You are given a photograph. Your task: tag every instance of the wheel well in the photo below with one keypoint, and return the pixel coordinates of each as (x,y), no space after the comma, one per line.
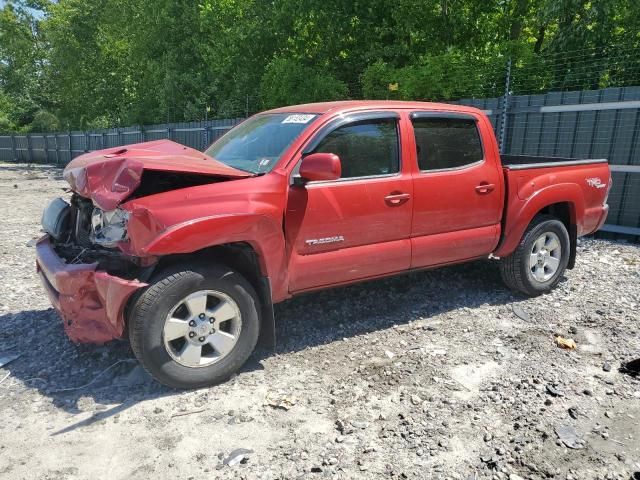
(239,256)
(564,212)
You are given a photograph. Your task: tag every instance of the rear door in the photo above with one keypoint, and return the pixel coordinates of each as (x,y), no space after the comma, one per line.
(457,190)
(358,226)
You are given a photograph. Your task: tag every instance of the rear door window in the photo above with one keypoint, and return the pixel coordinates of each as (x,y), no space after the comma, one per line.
(444,143)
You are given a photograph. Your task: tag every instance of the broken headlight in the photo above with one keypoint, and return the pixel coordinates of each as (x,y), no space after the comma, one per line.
(56,219)
(109,228)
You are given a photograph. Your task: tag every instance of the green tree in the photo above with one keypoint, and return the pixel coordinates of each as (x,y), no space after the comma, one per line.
(287,81)
(44,121)
(21,59)
(106,63)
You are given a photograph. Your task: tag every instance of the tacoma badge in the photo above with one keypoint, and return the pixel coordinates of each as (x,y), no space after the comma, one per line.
(320,241)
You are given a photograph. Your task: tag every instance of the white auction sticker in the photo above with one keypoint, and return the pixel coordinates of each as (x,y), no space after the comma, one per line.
(298,118)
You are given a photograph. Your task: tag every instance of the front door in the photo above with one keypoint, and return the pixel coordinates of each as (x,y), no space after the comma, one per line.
(457,190)
(358,226)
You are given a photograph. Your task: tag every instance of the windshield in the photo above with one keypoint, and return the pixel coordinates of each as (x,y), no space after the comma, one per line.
(256,145)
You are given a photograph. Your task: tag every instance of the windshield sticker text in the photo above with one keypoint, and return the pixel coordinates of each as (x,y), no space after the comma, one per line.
(298,119)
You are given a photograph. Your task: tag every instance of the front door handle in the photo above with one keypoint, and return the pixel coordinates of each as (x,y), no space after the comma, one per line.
(396,198)
(485,188)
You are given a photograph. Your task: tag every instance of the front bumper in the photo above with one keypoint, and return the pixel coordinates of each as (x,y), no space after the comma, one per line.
(91,302)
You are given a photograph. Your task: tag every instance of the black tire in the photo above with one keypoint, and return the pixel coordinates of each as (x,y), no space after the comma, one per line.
(149,311)
(515,269)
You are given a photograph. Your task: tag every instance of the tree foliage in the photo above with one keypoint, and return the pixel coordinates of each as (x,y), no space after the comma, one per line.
(286,81)
(71,64)
(21,66)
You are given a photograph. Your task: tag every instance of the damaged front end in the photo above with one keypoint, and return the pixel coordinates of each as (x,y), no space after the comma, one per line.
(85,259)
(88,282)
(80,232)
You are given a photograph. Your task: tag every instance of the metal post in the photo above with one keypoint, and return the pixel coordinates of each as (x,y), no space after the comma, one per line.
(505,108)
(55,136)
(70,145)
(29,151)
(87,141)
(13,148)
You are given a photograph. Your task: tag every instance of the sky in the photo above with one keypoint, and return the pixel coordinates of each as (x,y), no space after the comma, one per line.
(36,13)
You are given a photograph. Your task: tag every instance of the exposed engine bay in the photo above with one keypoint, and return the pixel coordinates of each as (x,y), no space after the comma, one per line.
(82,233)
(153,182)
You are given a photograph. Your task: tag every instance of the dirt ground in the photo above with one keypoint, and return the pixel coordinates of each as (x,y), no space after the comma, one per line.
(439,374)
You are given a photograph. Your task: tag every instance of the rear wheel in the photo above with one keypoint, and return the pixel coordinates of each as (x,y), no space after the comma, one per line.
(539,261)
(194,326)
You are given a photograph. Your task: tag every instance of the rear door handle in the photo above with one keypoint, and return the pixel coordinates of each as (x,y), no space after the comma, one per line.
(485,188)
(396,198)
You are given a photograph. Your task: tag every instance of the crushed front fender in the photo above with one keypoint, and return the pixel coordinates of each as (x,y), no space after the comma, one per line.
(91,302)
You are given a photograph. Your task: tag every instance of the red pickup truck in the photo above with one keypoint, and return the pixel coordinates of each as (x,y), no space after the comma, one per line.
(186,252)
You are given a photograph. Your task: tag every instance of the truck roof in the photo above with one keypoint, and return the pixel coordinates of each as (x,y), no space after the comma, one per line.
(349,105)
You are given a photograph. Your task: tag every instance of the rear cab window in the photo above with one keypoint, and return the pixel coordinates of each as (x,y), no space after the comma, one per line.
(446,141)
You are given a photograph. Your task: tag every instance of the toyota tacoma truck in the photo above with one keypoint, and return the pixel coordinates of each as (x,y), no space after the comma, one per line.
(185,252)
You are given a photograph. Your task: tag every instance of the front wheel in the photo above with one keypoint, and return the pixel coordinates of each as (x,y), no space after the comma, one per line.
(539,261)
(193,326)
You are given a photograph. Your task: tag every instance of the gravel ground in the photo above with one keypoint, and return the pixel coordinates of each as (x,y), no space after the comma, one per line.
(440,374)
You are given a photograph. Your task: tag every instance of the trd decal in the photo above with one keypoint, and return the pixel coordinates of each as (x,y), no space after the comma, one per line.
(595,182)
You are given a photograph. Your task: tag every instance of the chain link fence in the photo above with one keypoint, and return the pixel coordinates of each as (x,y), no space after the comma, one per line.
(61,148)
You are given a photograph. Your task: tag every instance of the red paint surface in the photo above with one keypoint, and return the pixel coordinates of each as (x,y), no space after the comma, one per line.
(387,225)
(357,211)
(453,219)
(91,303)
(321,166)
(533,189)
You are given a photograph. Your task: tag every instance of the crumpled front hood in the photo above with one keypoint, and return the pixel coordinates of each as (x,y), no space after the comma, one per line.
(110,176)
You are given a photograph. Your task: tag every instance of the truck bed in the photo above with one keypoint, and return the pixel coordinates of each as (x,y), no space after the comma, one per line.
(521,162)
(577,189)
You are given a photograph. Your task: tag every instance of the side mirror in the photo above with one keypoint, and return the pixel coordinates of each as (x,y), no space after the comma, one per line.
(320,166)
